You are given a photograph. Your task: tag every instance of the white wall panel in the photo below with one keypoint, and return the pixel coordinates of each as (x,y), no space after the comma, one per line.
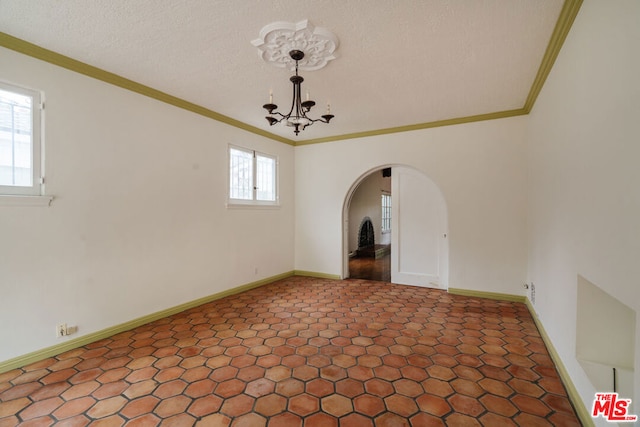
(584,205)
(480,168)
(138,223)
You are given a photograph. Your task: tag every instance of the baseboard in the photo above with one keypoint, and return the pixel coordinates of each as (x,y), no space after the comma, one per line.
(54,350)
(574,396)
(583,413)
(20,361)
(489,295)
(315,274)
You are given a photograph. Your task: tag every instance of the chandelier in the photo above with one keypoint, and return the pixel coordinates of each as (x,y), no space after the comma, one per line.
(297,115)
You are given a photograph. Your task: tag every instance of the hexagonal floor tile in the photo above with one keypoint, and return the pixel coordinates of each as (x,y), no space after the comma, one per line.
(306,352)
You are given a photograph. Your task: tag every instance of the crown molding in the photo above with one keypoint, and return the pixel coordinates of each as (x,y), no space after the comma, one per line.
(419,126)
(46,55)
(566,18)
(563,25)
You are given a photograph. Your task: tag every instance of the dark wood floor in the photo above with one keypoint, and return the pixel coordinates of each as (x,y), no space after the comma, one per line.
(370,268)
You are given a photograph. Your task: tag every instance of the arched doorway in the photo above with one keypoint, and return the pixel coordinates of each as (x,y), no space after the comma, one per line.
(369,241)
(418,240)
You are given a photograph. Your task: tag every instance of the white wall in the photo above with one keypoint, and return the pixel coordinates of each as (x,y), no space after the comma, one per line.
(366,201)
(480,169)
(139,222)
(584,176)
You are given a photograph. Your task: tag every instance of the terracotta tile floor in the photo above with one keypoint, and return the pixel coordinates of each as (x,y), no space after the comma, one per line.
(305,352)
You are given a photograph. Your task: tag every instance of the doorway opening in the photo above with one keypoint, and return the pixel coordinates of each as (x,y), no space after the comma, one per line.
(399,237)
(370,236)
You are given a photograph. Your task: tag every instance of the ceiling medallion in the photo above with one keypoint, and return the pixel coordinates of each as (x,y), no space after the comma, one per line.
(278,39)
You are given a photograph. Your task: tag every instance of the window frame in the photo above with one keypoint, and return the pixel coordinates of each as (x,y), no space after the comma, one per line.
(253,202)
(37,146)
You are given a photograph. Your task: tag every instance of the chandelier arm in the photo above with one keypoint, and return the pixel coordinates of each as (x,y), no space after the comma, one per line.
(297,115)
(324,119)
(282,116)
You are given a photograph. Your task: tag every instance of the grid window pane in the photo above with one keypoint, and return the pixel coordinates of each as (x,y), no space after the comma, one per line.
(386,212)
(240,174)
(252,177)
(265,178)
(16,139)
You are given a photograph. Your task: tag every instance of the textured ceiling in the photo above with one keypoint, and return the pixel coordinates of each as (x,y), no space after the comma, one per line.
(400,63)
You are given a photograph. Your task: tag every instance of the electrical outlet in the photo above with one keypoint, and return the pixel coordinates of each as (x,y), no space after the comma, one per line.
(61,330)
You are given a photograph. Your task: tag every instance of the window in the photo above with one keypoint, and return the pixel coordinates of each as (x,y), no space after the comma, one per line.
(386,213)
(20,142)
(252,177)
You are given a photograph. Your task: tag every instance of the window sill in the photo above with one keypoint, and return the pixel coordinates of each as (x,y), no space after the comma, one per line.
(11,200)
(231,205)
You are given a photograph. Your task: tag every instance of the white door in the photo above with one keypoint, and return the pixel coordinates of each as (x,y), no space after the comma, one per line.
(418,230)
